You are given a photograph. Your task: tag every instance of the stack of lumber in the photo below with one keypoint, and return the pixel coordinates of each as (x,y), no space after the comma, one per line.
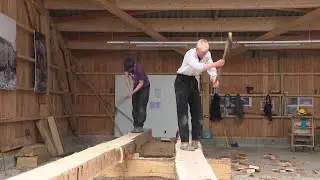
(32,156)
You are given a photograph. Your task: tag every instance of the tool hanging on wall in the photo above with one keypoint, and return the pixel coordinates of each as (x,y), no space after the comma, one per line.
(215,111)
(268,108)
(239,107)
(227,105)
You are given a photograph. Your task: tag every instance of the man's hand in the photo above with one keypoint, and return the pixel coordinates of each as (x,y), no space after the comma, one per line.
(220,63)
(215,84)
(129,95)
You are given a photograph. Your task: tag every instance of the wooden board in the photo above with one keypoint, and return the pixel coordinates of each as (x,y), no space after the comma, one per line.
(46,136)
(192,165)
(158,149)
(89,163)
(31,162)
(142,167)
(55,135)
(32,150)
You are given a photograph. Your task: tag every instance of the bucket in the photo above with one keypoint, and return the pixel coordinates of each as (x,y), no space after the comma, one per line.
(207,135)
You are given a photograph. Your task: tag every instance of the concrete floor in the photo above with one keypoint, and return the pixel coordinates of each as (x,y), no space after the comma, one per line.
(306,165)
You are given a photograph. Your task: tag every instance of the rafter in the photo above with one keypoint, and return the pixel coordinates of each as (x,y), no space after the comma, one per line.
(249,24)
(184,5)
(95,14)
(133,22)
(305,21)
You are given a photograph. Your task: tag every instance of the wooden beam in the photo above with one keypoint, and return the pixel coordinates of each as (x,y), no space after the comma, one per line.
(192,165)
(296,10)
(90,37)
(134,22)
(59,44)
(206,86)
(142,167)
(95,14)
(286,27)
(242,24)
(184,5)
(98,45)
(305,21)
(31,15)
(89,163)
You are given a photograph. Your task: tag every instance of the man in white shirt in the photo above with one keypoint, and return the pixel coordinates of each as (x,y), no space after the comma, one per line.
(196,60)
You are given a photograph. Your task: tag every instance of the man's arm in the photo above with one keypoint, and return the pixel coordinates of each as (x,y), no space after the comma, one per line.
(139,86)
(128,82)
(139,75)
(212,71)
(194,62)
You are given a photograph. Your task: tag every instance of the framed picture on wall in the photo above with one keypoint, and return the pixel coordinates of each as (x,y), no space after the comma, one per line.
(8,62)
(41,65)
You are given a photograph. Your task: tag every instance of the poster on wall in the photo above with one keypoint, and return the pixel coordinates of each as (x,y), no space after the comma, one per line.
(41,65)
(8,62)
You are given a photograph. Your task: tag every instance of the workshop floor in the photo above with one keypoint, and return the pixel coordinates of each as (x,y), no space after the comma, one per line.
(305,165)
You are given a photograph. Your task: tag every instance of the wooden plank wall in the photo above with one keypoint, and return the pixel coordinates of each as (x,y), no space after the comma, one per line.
(100,67)
(21,108)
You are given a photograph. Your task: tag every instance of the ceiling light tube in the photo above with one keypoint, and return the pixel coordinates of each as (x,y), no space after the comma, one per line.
(212,42)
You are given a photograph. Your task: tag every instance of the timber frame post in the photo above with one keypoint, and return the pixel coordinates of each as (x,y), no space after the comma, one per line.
(65,79)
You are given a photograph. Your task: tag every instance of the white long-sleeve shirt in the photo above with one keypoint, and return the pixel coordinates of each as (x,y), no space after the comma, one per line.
(191,66)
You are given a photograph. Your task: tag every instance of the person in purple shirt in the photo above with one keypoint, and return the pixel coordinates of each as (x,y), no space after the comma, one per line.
(139,92)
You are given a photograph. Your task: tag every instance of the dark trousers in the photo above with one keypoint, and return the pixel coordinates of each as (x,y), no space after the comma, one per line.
(187,92)
(139,106)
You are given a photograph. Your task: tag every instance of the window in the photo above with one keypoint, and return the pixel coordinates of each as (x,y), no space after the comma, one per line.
(294,103)
(262,104)
(230,105)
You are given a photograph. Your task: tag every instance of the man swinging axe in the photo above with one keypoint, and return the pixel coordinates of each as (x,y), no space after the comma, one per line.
(196,60)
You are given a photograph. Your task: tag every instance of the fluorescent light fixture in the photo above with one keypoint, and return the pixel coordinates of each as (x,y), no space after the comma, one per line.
(161,45)
(274,44)
(186,43)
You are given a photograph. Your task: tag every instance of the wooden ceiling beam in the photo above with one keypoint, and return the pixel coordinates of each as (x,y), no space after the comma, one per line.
(95,14)
(125,17)
(131,37)
(103,45)
(183,4)
(303,21)
(248,24)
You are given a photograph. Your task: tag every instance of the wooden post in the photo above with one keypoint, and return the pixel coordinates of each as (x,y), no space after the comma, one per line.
(206,100)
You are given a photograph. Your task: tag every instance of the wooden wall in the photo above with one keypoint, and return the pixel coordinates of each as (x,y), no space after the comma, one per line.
(100,67)
(21,108)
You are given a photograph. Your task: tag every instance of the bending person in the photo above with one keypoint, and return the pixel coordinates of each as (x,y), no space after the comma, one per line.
(139,92)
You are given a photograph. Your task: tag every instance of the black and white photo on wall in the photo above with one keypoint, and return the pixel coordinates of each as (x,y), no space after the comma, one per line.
(8,62)
(41,64)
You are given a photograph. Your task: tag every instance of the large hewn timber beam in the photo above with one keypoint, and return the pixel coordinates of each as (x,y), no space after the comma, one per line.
(103,45)
(192,165)
(253,24)
(88,163)
(134,22)
(183,4)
